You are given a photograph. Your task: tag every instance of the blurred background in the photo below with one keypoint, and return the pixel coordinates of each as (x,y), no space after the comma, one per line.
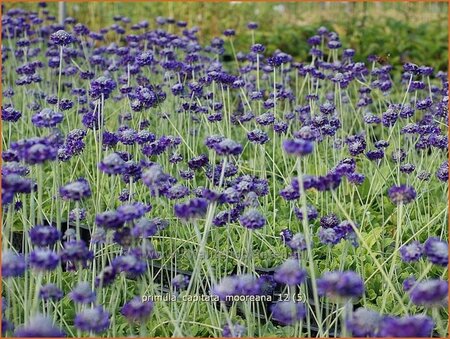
(404,31)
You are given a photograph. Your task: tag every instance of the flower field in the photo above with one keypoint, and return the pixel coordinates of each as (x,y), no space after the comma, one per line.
(152,186)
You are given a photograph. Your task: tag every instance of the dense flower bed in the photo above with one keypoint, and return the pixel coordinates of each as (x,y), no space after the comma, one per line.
(151,189)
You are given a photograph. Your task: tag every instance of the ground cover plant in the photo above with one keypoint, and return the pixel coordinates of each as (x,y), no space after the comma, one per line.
(151,188)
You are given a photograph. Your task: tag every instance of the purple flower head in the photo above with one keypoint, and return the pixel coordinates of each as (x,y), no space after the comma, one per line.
(127,136)
(370,118)
(145,58)
(408,283)
(43,235)
(50,292)
(406,112)
(76,190)
(248,285)
(229,32)
(123,237)
(43,259)
(102,86)
(105,277)
(215,173)
(227,287)
(98,236)
(410,67)
(356,178)
(96,320)
(347,284)
(155,179)
(429,293)
(436,251)
(180,281)
(364,323)
(112,164)
(327,108)
(10,155)
(157,147)
(280,127)
(311,212)
(109,219)
(260,187)
(177,89)
(329,236)
(407,168)
(298,147)
(424,104)
(406,327)
(425,70)
(65,104)
(252,219)
(39,326)
(329,221)
(398,155)
(135,210)
(10,114)
(290,273)
(401,194)
(258,48)
(39,153)
(286,235)
(193,208)
(91,120)
(131,264)
(146,227)
(309,133)
(198,162)
(234,331)
(137,310)
(257,136)
(61,38)
(13,265)
(252,25)
(15,183)
(356,144)
(175,158)
(76,135)
(442,172)
(231,196)
(70,234)
(288,312)
(345,229)
(228,147)
(314,40)
(145,137)
(334,44)
(389,118)
(76,252)
(348,53)
(77,214)
(297,242)
(146,97)
(267,284)
(328,182)
(222,218)
(212,140)
(411,252)
(82,293)
(375,154)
